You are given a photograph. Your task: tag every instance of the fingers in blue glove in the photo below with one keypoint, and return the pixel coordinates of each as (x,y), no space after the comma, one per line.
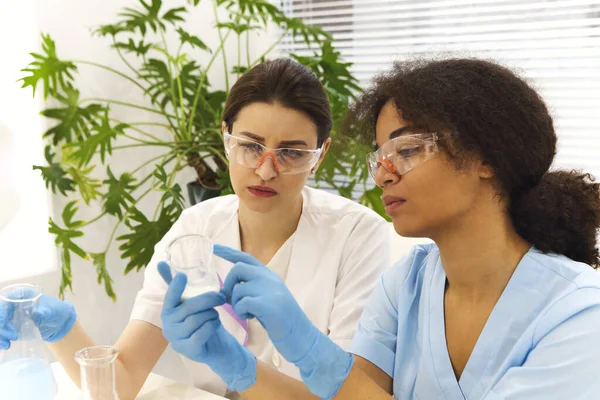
(6,313)
(165,272)
(192,323)
(175,291)
(8,333)
(205,332)
(240,272)
(203,302)
(235,256)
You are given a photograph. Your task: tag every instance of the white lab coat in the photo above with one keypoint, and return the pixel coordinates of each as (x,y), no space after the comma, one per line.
(340,249)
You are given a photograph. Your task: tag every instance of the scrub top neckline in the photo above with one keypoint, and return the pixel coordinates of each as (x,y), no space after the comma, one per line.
(474,373)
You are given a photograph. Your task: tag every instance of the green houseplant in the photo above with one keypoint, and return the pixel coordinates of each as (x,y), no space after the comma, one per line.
(177,90)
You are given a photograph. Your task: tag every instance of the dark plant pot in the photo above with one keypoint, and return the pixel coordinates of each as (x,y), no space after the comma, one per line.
(199,193)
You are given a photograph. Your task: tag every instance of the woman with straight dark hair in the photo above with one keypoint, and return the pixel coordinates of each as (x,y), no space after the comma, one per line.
(328,250)
(505,304)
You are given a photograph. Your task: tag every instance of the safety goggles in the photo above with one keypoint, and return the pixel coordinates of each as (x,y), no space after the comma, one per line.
(403,153)
(251,154)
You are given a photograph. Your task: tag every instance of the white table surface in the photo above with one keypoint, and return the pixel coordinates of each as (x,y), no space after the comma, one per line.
(156,387)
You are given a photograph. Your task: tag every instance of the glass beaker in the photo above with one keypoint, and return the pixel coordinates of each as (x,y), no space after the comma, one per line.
(192,256)
(25,372)
(97,367)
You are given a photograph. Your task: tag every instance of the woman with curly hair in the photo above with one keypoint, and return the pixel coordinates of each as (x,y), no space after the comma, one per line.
(505,304)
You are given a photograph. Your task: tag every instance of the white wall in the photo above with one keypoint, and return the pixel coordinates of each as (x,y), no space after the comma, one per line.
(69,23)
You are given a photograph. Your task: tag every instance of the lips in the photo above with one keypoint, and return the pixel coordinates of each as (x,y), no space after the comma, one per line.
(388,200)
(262,191)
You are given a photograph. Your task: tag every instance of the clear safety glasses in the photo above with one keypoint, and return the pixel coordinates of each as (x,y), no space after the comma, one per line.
(251,154)
(403,153)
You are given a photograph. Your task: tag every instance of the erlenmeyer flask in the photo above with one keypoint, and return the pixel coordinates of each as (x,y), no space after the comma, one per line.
(192,256)
(97,366)
(25,372)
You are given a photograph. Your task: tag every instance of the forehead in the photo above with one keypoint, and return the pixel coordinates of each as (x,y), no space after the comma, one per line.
(388,121)
(273,121)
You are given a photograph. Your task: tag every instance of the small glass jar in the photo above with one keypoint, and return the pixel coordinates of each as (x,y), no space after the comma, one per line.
(25,371)
(97,367)
(192,255)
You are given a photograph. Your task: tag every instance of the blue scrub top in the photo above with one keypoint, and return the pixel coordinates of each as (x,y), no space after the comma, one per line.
(541,341)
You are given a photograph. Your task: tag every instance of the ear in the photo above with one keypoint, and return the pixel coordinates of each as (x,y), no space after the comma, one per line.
(326,146)
(223,127)
(486,171)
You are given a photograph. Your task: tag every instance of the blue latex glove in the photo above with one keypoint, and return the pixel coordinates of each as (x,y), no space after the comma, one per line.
(53,317)
(254,291)
(193,328)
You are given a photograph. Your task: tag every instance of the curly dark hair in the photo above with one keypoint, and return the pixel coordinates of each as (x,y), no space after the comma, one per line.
(497,116)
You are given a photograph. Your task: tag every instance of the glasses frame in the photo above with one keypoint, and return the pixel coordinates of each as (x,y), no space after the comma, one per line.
(271,153)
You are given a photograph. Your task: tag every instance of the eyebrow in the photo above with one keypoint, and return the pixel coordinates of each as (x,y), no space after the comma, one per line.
(261,139)
(395,134)
(399,132)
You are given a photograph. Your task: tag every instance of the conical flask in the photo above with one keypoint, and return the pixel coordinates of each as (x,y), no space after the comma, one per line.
(25,372)
(97,366)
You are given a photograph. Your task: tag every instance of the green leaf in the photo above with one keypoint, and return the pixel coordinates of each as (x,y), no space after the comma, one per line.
(192,40)
(54,175)
(64,241)
(100,141)
(148,17)
(310,33)
(240,69)
(88,187)
(141,48)
(99,260)
(238,28)
(74,121)
(157,72)
(262,9)
(194,2)
(174,14)
(138,245)
(53,72)
(172,199)
(112,29)
(118,197)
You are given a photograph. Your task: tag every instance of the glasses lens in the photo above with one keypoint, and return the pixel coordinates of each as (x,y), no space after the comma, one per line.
(402,154)
(250,155)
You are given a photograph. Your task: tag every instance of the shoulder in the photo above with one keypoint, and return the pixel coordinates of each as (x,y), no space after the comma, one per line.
(319,205)
(572,288)
(408,273)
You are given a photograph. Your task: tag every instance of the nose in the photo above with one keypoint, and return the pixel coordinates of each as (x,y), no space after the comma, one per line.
(267,170)
(383,177)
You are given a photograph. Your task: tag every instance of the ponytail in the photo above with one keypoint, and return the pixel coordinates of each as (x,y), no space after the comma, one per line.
(561,215)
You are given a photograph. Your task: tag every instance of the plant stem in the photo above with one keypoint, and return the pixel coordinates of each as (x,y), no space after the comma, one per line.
(248,48)
(177,109)
(122,57)
(130,126)
(148,162)
(169,183)
(204,74)
(226,70)
(122,103)
(91,221)
(128,146)
(270,49)
(136,83)
(239,56)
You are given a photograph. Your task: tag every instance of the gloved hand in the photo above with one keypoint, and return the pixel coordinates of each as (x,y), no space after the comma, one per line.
(193,328)
(256,292)
(53,317)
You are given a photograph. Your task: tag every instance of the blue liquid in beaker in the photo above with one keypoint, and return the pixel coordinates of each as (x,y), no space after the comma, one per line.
(27,379)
